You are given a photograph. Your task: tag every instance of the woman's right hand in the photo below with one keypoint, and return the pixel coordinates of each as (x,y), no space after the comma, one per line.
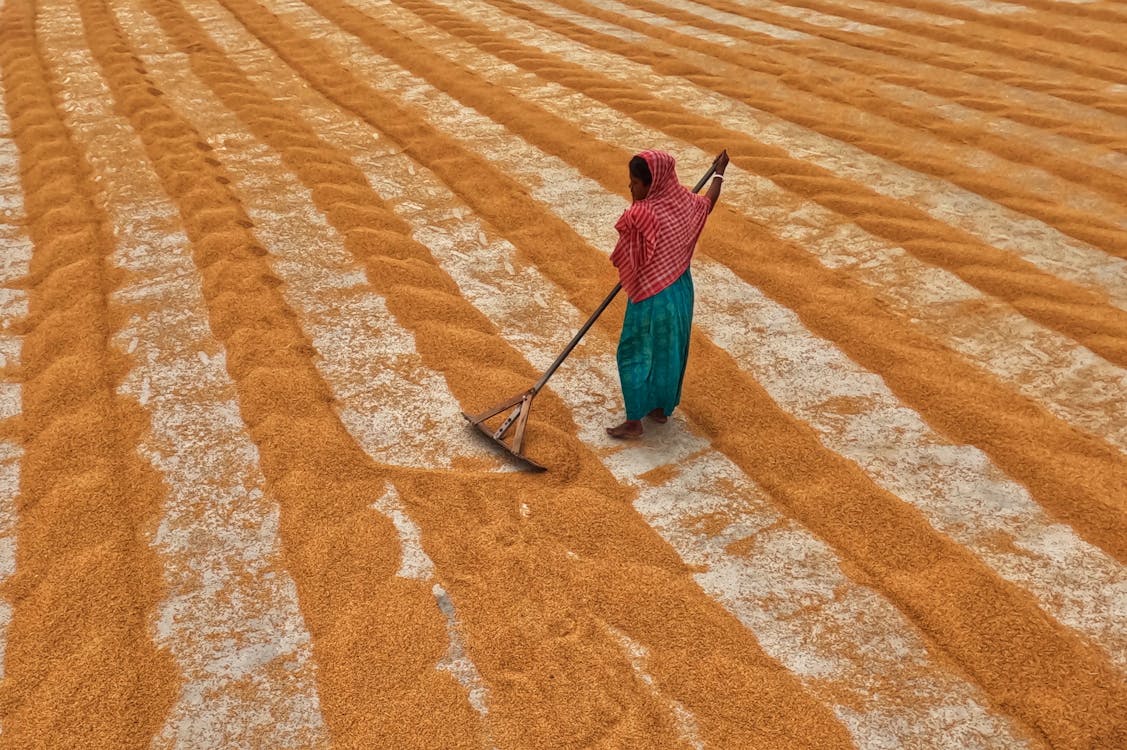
(721,162)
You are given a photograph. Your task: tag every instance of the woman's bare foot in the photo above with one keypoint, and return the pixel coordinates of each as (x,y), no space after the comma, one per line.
(631,429)
(658,415)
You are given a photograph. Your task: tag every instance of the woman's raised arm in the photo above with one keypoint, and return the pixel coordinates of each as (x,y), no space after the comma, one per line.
(713,193)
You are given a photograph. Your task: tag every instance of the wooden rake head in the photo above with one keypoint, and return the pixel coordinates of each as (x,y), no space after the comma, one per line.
(518,418)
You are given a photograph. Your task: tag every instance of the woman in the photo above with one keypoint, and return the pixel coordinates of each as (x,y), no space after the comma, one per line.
(656,238)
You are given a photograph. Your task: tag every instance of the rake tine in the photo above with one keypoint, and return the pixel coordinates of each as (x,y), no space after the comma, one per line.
(522,420)
(500,433)
(495,409)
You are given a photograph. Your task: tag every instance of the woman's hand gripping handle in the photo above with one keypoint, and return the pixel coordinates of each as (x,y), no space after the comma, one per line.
(718,167)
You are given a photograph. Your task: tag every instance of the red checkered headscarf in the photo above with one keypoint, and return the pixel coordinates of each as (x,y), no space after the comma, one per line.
(657,235)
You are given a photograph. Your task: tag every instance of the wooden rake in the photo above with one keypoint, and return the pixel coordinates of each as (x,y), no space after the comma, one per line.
(521,404)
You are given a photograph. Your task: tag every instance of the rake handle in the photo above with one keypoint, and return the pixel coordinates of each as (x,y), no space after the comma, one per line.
(595,315)
(575,340)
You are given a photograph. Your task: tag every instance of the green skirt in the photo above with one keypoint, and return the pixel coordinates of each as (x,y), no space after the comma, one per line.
(654,349)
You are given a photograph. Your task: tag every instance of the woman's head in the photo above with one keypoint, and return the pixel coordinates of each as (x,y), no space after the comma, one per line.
(640,178)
